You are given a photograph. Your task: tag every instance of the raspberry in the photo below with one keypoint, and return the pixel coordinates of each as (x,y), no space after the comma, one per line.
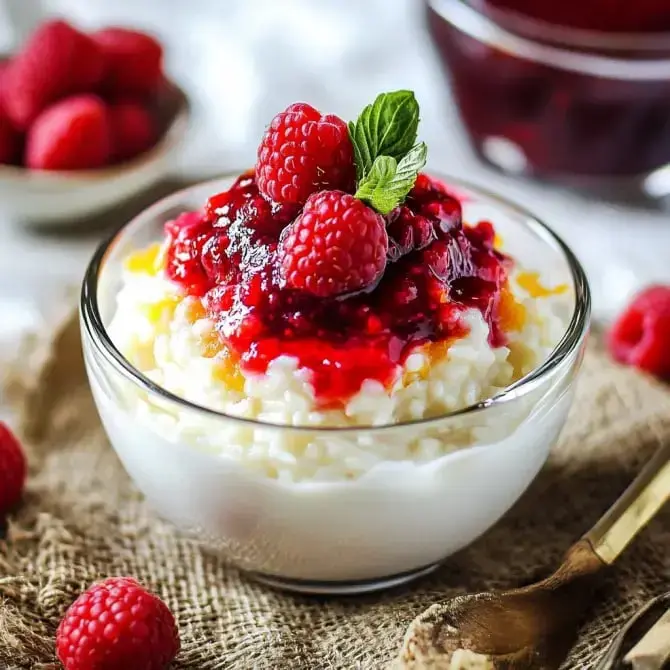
(12,469)
(641,335)
(337,245)
(73,134)
(117,624)
(10,140)
(303,152)
(134,61)
(56,61)
(133,130)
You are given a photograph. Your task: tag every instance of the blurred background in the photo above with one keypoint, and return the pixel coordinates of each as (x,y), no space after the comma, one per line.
(241,61)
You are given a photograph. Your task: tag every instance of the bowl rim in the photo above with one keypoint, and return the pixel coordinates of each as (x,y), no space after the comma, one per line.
(571,340)
(561,47)
(175,129)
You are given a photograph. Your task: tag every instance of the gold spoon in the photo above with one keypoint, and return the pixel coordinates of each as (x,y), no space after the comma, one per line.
(533,628)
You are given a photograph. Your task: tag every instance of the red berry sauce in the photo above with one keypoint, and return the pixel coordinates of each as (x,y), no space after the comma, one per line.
(437,268)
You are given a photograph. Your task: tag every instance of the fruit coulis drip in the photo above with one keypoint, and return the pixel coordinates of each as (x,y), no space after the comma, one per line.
(346,266)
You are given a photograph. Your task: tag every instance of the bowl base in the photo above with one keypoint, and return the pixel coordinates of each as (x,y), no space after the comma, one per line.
(343,588)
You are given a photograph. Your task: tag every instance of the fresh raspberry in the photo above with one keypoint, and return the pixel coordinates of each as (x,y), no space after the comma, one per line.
(56,61)
(73,134)
(10,140)
(337,245)
(133,130)
(641,335)
(12,469)
(303,152)
(133,60)
(117,624)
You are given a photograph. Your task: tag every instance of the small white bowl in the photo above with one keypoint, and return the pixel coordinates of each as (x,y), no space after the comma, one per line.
(53,198)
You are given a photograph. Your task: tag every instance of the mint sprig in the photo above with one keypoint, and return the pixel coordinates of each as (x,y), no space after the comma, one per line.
(387,127)
(389,181)
(388,159)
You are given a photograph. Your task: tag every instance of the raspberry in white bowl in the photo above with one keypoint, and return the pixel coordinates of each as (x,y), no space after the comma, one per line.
(335,368)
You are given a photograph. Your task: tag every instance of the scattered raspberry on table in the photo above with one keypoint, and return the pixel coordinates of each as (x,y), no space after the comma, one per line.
(641,335)
(12,469)
(117,625)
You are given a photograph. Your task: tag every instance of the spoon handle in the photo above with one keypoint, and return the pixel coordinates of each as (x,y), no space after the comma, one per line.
(630,513)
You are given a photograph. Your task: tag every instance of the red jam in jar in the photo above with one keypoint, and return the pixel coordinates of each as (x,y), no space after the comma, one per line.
(553,101)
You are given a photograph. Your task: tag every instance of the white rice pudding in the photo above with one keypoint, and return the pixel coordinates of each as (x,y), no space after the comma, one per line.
(155,329)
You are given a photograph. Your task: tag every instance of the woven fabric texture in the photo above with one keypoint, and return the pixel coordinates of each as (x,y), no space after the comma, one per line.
(82,519)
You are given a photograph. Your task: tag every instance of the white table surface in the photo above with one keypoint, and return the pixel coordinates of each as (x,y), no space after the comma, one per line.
(242,61)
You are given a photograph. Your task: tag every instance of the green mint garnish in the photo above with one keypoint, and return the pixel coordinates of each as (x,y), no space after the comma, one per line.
(387,127)
(389,181)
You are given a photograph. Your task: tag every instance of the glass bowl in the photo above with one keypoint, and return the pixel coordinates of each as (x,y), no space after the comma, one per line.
(397,521)
(581,108)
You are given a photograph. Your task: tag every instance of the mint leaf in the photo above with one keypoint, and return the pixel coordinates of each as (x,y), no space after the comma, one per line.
(387,127)
(389,181)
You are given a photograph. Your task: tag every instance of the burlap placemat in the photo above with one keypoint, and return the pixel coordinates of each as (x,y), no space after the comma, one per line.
(82,519)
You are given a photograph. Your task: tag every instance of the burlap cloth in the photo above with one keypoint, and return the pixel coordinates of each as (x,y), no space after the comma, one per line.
(82,519)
